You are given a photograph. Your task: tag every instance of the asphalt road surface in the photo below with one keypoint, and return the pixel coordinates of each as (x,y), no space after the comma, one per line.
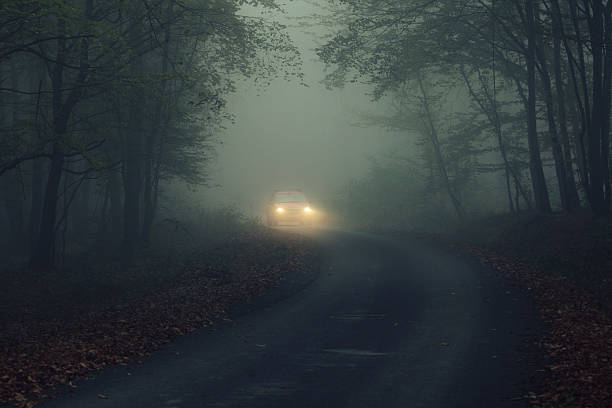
(388,323)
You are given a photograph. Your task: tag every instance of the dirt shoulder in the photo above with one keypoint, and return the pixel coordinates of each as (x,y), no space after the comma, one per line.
(40,354)
(566,264)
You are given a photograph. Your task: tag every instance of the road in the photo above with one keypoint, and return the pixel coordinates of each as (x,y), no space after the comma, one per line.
(388,323)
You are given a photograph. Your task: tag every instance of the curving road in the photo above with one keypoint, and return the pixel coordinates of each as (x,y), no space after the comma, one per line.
(387,324)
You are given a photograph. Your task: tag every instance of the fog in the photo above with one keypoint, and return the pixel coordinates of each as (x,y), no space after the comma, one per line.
(413,115)
(386,181)
(290,135)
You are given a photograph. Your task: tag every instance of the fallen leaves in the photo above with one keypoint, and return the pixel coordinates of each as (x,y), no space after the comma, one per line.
(36,357)
(579,340)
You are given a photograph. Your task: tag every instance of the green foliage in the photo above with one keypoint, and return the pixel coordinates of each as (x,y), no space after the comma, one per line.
(422,51)
(122,92)
(206,45)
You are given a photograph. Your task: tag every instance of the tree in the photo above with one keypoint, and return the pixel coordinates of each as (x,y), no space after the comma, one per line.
(510,42)
(63,106)
(121,95)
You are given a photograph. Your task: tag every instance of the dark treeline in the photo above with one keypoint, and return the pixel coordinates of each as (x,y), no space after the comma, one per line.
(104,100)
(535,76)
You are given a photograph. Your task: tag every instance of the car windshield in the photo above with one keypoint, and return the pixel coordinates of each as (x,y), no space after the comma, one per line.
(289,198)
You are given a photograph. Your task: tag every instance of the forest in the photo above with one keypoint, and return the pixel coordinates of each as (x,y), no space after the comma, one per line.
(533,83)
(103,101)
(466,212)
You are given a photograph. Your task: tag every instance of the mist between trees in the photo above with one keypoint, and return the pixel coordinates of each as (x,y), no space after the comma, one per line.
(506,97)
(104,102)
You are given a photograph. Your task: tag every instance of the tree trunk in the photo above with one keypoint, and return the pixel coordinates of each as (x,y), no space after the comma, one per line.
(607,102)
(36,187)
(433,136)
(133,160)
(572,191)
(115,204)
(82,215)
(44,255)
(599,126)
(583,98)
(36,207)
(538,180)
(557,151)
(578,129)
(578,109)
(155,138)
(13,200)
(102,227)
(62,109)
(133,184)
(11,184)
(147,221)
(493,117)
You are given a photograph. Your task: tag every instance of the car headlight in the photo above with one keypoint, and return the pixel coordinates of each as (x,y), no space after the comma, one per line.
(308,209)
(280,210)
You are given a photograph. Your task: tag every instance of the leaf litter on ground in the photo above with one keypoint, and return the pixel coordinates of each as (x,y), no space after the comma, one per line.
(564,262)
(578,343)
(40,358)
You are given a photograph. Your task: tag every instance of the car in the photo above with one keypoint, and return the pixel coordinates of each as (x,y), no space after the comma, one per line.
(289,206)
